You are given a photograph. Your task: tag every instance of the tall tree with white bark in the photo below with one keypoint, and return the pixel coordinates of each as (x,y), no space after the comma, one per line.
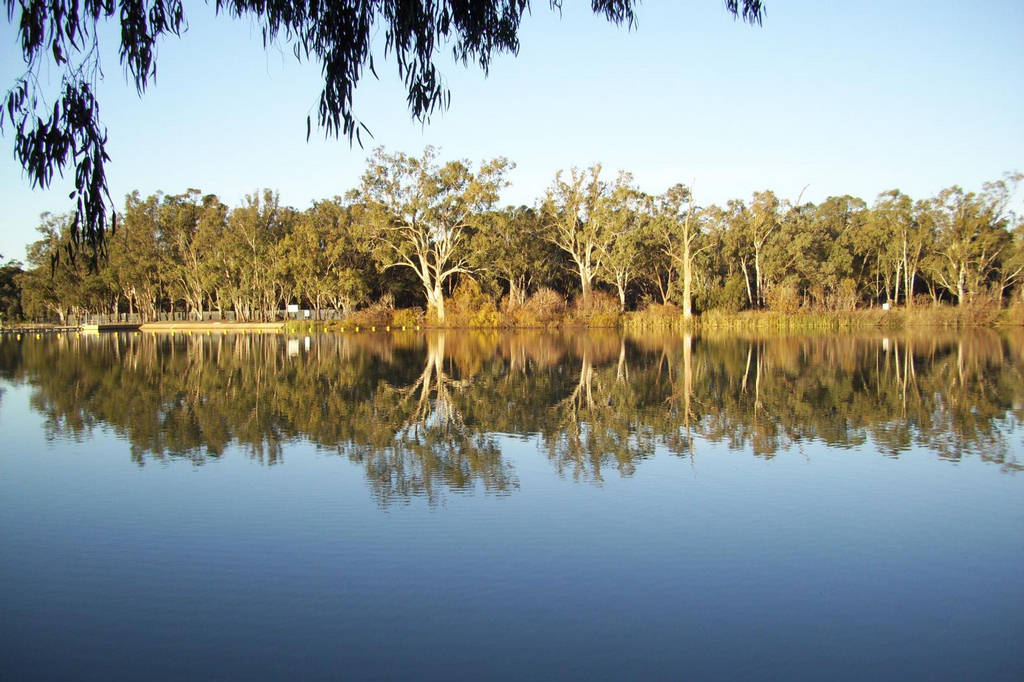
(420,214)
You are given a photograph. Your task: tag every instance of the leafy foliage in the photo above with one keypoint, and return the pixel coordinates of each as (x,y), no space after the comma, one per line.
(418,229)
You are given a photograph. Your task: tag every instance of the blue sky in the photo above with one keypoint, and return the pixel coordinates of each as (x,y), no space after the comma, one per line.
(851,97)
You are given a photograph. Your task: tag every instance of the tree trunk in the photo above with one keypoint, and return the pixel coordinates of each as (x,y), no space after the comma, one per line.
(910,274)
(585,287)
(896,295)
(620,285)
(516,291)
(663,288)
(435,303)
(746,281)
(687,285)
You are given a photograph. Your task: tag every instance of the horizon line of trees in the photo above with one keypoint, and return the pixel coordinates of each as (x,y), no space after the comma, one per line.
(416,228)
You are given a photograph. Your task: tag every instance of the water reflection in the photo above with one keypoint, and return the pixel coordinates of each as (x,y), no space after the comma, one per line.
(422,413)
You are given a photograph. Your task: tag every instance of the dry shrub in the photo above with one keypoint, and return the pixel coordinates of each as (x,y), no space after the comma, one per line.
(981,310)
(469,306)
(542,309)
(406,317)
(846,295)
(1014,313)
(600,310)
(377,314)
(783,298)
(656,316)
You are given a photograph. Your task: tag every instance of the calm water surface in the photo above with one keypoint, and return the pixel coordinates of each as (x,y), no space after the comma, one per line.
(530,506)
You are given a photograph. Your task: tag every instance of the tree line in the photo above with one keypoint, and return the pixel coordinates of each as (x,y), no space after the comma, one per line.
(417,229)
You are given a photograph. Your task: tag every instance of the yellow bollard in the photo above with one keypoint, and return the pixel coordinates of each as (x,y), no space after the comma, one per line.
(357,327)
(373,329)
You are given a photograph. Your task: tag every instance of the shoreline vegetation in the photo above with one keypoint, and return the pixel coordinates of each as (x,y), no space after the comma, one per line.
(668,318)
(423,243)
(664,320)
(654,318)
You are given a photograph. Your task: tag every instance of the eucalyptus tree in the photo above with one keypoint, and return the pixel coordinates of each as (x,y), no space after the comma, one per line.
(11,274)
(729,257)
(45,292)
(1012,271)
(657,272)
(325,256)
(185,221)
(59,285)
(569,210)
(902,233)
(840,220)
(623,214)
(761,224)
(732,225)
(792,259)
(252,255)
(972,236)
(136,259)
(217,269)
(509,245)
(679,231)
(420,214)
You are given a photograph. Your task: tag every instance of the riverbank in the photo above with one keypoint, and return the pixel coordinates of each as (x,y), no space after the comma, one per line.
(947,317)
(654,318)
(670,318)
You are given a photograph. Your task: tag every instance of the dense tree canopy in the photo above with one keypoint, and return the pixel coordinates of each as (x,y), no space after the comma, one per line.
(54,129)
(418,232)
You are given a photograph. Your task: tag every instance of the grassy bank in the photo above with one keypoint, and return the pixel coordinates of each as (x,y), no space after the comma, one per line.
(550,312)
(984,314)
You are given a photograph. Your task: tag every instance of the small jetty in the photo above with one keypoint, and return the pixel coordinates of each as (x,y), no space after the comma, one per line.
(40,329)
(181,326)
(110,327)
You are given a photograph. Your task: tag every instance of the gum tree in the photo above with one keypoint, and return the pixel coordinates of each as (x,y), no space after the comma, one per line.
(420,213)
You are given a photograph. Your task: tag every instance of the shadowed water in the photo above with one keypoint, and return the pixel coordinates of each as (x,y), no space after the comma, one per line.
(512,506)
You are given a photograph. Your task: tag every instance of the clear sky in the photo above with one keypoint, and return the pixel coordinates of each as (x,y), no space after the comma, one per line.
(845,98)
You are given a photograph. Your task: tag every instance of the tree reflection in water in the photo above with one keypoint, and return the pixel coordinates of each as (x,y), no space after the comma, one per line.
(422,413)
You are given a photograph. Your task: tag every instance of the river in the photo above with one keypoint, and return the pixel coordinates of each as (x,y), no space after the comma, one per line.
(510,506)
